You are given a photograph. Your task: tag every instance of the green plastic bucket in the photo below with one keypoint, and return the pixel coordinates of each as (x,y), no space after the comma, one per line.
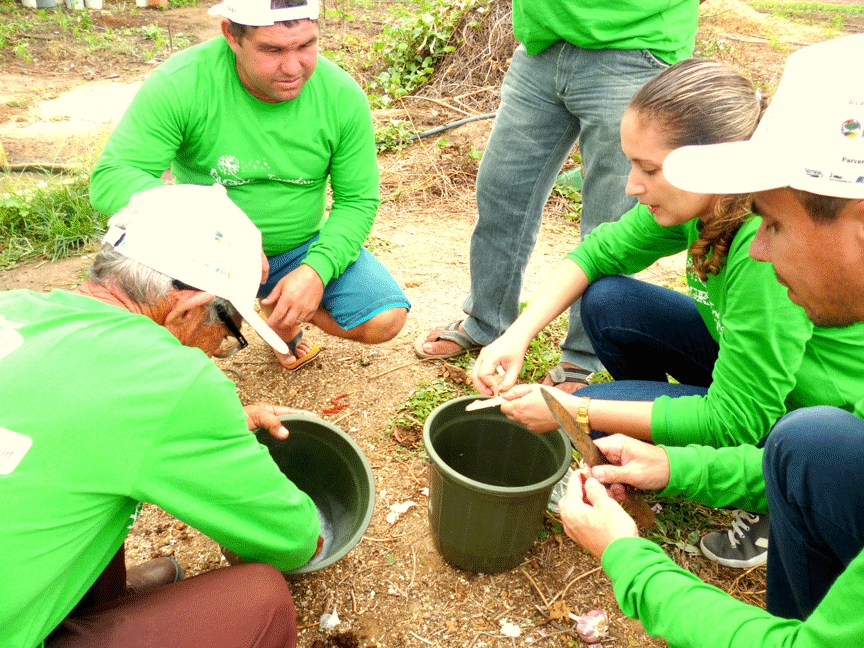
(489,483)
(329,466)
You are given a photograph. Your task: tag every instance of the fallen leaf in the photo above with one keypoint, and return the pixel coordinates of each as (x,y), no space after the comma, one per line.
(559,611)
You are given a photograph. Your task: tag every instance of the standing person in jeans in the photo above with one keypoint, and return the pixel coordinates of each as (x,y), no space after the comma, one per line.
(569,80)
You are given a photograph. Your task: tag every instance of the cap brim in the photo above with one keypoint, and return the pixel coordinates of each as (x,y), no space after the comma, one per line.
(729,168)
(261,328)
(217,10)
(243,15)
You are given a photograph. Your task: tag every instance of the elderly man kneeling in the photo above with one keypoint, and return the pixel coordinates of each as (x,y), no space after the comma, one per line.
(108,402)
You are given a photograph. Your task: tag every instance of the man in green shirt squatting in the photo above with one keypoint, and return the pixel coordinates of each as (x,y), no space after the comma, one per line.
(110,399)
(260,113)
(805,168)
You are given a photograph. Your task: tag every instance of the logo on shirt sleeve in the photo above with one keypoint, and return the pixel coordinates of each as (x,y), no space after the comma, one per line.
(13,447)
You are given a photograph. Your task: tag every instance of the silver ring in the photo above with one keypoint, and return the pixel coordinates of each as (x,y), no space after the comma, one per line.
(301,320)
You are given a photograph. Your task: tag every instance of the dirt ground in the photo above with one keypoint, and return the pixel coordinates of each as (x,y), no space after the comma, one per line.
(394,589)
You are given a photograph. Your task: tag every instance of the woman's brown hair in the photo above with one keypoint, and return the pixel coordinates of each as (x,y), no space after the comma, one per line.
(703,101)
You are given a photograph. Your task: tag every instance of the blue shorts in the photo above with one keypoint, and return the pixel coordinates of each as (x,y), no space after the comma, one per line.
(365,289)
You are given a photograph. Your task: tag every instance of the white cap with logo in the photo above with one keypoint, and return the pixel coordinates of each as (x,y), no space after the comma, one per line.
(258,13)
(197,235)
(811,136)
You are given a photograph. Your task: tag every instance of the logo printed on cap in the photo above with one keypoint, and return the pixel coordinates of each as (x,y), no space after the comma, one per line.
(851,128)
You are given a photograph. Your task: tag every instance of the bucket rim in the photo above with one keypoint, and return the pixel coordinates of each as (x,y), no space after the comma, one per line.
(491,489)
(370,480)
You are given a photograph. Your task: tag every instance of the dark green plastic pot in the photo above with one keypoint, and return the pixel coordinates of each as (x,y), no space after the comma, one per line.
(326,464)
(490,481)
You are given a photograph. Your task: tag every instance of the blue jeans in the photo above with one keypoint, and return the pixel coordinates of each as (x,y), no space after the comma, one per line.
(644,332)
(815,487)
(548,102)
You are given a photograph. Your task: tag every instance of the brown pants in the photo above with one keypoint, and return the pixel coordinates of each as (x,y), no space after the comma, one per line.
(246,606)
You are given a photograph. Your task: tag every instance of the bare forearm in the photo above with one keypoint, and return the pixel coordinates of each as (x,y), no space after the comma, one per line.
(631,418)
(563,287)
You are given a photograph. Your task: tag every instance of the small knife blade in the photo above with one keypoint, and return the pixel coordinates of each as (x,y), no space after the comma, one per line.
(592,456)
(589,452)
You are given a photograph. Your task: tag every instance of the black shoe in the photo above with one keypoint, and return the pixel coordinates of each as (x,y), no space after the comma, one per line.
(152,574)
(744,545)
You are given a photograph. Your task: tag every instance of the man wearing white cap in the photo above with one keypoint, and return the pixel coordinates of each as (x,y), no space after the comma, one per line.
(805,168)
(137,413)
(259,112)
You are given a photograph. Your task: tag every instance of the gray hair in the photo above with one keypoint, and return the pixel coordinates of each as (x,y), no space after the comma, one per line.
(141,283)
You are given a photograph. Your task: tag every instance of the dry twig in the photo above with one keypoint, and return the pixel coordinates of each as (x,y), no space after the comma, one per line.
(578,578)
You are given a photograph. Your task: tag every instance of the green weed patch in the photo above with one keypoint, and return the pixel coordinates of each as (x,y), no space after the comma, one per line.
(412,41)
(47,220)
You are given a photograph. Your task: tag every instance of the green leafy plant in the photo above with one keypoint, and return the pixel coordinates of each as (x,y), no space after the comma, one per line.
(392,135)
(22,51)
(373,243)
(543,351)
(152,32)
(680,523)
(568,185)
(428,395)
(23,30)
(412,42)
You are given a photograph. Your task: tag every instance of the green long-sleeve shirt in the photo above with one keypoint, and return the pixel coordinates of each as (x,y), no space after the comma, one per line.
(674,604)
(118,412)
(194,114)
(771,360)
(666,28)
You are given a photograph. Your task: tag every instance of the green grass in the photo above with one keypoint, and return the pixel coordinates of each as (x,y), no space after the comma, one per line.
(51,219)
(808,12)
(681,523)
(78,30)
(543,351)
(428,395)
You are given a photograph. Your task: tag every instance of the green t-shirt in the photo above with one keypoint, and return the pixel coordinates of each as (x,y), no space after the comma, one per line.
(674,604)
(666,28)
(771,360)
(194,114)
(118,412)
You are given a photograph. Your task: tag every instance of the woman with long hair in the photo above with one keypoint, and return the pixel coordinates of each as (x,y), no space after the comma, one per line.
(741,353)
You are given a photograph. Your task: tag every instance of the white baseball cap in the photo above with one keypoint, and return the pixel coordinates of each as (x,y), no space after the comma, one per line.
(197,235)
(257,13)
(811,136)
